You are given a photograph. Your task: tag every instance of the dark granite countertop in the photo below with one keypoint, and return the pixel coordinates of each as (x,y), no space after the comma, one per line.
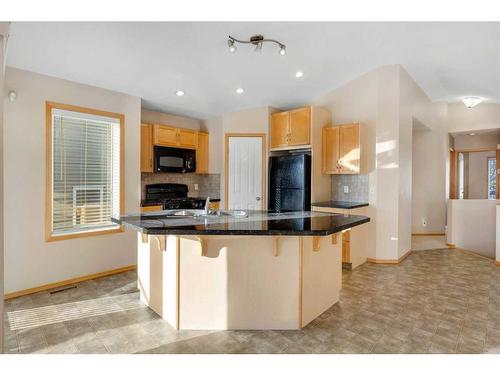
(261,223)
(153,202)
(340,204)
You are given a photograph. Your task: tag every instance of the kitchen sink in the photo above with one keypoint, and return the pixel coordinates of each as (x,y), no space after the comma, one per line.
(202,213)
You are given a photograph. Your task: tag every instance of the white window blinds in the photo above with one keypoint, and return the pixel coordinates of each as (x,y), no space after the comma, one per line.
(85,172)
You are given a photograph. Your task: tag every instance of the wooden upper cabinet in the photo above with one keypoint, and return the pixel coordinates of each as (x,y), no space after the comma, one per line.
(187,138)
(300,127)
(292,128)
(202,153)
(341,149)
(146,148)
(349,147)
(330,147)
(164,135)
(280,125)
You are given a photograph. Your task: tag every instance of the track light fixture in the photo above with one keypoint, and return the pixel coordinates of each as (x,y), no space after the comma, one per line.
(257,41)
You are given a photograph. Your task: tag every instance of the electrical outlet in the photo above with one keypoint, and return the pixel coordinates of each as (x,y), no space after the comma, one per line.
(424,222)
(346,189)
(196,187)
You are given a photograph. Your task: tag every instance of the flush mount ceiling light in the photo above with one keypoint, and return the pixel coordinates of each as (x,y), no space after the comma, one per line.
(299,74)
(472,101)
(257,40)
(179,93)
(239,90)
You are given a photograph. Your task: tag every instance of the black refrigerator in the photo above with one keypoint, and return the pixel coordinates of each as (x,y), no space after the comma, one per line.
(290,183)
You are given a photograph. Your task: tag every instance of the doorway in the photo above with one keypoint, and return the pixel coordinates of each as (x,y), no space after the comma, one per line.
(244,171)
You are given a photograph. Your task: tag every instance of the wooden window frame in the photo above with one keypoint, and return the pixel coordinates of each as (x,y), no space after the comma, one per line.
(49,106)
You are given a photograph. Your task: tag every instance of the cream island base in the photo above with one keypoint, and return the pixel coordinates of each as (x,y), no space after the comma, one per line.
(239,282)
(266,270)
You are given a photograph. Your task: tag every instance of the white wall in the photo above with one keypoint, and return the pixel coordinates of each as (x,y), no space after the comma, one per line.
(29,260)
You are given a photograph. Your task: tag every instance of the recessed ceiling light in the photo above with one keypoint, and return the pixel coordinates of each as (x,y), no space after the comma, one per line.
(179,93)
(472,101)
(299,74)
(239,90)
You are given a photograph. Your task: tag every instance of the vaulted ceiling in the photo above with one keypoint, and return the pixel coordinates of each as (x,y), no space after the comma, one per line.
(154,60)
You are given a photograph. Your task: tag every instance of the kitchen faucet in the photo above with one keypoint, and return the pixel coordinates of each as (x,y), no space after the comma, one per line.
(207,206)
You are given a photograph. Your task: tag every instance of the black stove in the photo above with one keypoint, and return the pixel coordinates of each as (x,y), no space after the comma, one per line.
(171,196)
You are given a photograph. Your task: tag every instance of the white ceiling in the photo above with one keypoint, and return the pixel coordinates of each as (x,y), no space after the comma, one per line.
(154,60)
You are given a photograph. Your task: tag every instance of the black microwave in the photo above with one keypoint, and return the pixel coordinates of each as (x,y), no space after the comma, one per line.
(174,160)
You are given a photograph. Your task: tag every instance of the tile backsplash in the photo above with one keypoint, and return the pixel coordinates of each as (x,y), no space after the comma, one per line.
(208,184)
(358,187)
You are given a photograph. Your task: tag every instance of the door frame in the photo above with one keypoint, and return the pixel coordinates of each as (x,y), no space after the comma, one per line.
(226,164)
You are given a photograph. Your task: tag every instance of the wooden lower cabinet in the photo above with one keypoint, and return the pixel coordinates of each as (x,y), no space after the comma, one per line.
(214,206)
(151,208)
(346,250)
(356,241)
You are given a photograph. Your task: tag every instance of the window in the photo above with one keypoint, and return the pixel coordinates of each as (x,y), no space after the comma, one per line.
(461,176)
(84,171)
(492,178)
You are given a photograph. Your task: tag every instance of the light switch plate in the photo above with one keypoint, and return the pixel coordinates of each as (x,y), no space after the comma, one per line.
(196,187)
(346,189)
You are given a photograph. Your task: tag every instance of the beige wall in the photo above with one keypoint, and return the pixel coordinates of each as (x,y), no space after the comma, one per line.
(4,28)
(423,163)
(429,176)
(472,225)
(482,116)
(152,117)
(253,120)
(387,100)
(29,260)
(477,186)
(478,141)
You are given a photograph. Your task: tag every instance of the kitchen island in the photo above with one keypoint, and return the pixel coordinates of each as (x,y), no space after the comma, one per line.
(262,270)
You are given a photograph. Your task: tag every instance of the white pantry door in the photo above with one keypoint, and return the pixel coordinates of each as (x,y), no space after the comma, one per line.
(245,173)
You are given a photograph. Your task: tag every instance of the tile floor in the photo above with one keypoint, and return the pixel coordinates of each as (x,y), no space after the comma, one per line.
(436,301)
(428,242)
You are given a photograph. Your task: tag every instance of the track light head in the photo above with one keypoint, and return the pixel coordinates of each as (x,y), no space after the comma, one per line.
(282,50)
(230,43)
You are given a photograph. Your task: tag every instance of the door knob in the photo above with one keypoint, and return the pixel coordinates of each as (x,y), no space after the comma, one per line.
(257,198)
